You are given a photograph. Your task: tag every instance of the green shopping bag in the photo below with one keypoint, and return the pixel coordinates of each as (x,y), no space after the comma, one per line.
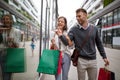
(15,60)
(48,62)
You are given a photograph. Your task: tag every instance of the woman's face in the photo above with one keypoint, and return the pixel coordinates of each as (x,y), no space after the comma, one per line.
(7,21)
(61,23)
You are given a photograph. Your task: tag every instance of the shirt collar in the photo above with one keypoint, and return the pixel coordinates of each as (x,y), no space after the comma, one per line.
(82,27)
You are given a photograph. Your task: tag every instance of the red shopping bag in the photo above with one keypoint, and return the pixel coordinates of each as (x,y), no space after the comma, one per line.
(53,47)
(59,63)
(105,74)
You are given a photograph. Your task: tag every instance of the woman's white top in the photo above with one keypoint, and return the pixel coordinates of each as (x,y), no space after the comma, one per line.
(60,45)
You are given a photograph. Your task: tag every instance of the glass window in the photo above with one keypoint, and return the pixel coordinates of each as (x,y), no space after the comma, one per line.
(104,21)
(119,15)
(115,16)
(104,37)
(116,32)
(110,19)
(109,36)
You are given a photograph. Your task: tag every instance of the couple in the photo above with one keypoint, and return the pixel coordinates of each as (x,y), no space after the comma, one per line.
(76,35)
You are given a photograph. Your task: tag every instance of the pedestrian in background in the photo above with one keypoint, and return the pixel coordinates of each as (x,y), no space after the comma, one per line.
(32,46)
(58,45)
(87,54)
(11,39)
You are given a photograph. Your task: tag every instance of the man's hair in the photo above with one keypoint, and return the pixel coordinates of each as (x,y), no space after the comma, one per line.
(81,10)
(7,15)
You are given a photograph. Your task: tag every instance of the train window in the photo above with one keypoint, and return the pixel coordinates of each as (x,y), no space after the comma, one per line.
(104,36)
(110,15)
(119,15)
(116,32)
(115,16)
(109,36)
(104,21)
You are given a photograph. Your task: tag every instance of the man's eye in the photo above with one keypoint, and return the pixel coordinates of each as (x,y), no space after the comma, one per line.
(78,16)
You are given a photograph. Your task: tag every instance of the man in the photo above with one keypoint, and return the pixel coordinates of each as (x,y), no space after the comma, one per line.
(87,55)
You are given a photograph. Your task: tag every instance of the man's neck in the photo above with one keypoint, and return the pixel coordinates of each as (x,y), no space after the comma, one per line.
(85,25)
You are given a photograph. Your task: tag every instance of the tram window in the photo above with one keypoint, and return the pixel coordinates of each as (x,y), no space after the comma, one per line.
(115,16)
(116,32)
(110,19)
(119,15)
(104,37)
(109,36)
(104,21)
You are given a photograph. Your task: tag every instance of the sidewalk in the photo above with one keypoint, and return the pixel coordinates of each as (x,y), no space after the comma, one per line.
(32,64)
(113,56)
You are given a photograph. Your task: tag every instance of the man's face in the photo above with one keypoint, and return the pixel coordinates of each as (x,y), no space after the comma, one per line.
(7,21)
(81,17)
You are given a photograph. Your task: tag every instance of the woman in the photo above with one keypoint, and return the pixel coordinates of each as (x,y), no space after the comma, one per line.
(57,44)
(11,39)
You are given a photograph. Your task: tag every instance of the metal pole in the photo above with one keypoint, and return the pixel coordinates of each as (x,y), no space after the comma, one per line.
(40,48)
(41,29)
(48,26)
(45,28)
(49,22)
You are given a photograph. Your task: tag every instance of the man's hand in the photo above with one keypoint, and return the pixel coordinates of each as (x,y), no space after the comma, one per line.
(106,62)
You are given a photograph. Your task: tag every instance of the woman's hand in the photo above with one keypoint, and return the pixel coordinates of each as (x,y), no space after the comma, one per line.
(53,41)
(58,32)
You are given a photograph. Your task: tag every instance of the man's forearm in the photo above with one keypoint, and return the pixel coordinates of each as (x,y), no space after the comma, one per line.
(64,39)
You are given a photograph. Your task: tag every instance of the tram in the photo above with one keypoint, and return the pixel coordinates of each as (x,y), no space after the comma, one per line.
(108,22)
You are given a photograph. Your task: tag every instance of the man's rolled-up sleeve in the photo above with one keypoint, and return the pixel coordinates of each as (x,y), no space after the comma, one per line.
(64,39)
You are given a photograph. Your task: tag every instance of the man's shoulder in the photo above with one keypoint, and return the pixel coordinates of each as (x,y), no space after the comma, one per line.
(94,26)
(75,26)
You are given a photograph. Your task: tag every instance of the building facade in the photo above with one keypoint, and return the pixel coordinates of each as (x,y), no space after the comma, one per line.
(24,14)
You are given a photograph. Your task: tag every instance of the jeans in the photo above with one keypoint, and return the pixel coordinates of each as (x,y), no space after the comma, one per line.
(5,75)
(66,61)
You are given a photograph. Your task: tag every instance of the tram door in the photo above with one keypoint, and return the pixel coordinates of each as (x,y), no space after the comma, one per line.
(107,38)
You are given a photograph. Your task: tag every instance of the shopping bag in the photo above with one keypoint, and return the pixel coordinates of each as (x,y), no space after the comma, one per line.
(15,60)
(105,74)
(48,62)
(59,63)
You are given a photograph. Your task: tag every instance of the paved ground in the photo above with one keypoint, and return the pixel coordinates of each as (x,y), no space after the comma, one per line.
(32,63)
(113,56)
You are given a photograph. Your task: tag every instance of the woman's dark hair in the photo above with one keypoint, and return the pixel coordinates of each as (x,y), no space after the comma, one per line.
(65,27)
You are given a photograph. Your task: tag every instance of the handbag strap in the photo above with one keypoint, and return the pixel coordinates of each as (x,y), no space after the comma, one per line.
(87,37)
